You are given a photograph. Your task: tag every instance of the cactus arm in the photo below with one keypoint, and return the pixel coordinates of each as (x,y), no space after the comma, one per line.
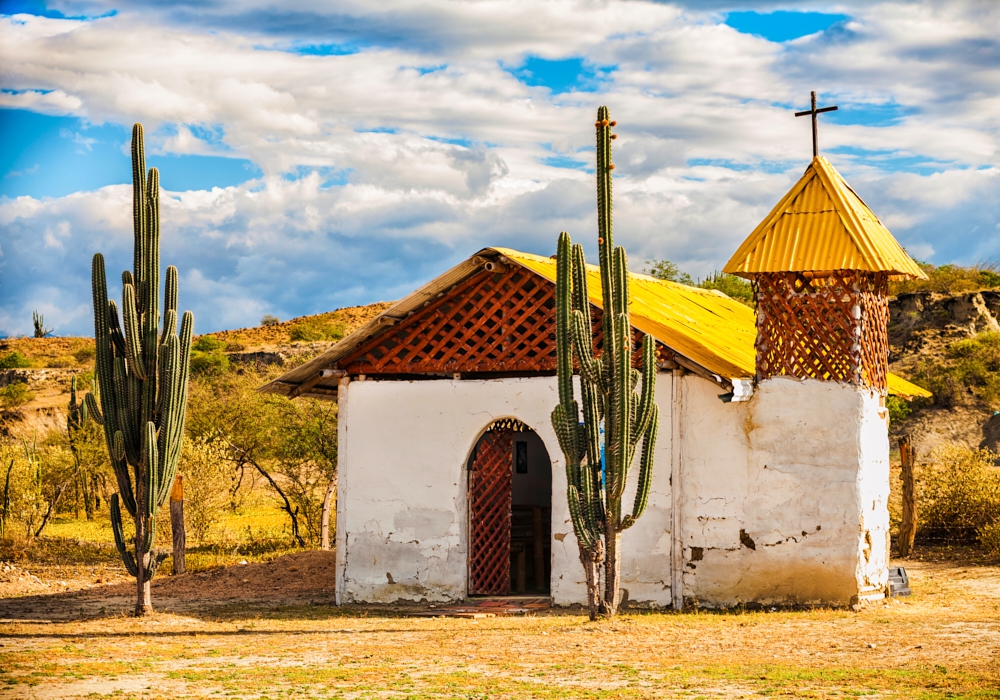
(133,347)
(179,410)
(115,330)
(149,460)
(138,196)
(644,410)
(170,290)
(93,409)
(593,384)
(171,416)
(116,527)
(584,535)
(103,356)
(169,326)
(562,425)
(564,290)
(645,470)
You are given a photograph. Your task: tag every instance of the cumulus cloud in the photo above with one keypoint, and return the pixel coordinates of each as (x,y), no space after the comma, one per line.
(395,139)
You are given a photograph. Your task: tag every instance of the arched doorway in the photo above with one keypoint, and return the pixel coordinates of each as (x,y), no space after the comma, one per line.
(510,506)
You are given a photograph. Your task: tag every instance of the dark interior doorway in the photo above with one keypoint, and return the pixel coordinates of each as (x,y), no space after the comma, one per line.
(510,508)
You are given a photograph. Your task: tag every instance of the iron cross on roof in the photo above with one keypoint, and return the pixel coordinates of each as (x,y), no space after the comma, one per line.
(813,111)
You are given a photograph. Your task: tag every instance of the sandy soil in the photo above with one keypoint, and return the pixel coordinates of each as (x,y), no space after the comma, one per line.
(267,630)
(76,592)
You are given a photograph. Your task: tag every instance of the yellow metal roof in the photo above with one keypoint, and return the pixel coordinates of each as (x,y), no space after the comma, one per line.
(703,325)
(822,225)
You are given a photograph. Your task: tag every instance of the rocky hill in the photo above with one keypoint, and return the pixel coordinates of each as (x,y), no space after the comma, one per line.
(926,334)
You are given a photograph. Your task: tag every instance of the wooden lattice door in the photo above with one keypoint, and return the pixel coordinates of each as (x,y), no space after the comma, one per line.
(489,513)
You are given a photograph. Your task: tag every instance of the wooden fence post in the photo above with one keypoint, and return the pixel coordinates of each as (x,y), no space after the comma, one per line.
(177,523)
(908,527)
(324,523)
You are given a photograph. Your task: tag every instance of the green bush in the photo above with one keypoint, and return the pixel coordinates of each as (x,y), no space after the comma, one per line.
(732,286)
(208,343)
(958,498)
(898,409)
(269,320)
(668,271)
(15,395)
(14,360)
(214,362)
(317,328)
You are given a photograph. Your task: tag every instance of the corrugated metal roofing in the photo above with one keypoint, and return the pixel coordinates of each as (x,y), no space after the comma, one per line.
(822,225)
(704,326)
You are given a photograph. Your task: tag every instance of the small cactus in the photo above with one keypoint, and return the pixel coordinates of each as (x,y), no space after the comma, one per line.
(39,322)
(607,393)
(142,374)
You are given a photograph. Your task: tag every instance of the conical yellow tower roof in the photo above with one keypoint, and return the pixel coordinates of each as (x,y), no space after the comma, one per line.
(819,226)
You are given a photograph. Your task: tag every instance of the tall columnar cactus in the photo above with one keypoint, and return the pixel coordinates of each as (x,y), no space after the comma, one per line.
(142,374)
(608,395)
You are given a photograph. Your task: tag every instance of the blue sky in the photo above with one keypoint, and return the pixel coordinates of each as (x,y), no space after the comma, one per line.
(337,154)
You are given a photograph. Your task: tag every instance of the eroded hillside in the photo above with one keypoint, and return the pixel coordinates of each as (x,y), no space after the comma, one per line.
(947,344)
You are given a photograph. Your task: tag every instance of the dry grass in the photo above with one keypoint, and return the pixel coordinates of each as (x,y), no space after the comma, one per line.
(940,643)
(52,352)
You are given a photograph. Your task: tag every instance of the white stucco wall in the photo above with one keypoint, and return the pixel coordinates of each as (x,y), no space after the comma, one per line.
(401,509)
(784,496)
(781,499)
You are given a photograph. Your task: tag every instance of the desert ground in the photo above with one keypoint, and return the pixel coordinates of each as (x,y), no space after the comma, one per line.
(266,629)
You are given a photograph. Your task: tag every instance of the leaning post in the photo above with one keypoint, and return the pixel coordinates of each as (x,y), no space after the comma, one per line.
(177,524)
(908,527)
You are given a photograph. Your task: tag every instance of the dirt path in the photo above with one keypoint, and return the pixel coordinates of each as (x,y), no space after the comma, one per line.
(267,630)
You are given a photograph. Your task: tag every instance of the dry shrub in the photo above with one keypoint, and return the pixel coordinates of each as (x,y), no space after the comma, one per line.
(316,328)
(952,279)
(207,482)
(22,501)
(959,495)
(63,361)
(989,537)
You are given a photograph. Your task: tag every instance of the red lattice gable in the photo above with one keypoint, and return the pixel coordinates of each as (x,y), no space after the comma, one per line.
(491,322)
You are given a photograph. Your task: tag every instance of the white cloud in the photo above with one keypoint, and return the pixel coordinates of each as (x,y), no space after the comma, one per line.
(384,166)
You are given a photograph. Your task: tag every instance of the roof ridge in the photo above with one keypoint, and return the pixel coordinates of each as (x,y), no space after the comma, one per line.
(854,228)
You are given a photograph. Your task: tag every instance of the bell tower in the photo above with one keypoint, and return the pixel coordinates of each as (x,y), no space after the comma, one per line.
(821,262)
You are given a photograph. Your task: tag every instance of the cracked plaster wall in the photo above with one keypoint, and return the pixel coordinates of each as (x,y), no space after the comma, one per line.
(402,513)
(784,496)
